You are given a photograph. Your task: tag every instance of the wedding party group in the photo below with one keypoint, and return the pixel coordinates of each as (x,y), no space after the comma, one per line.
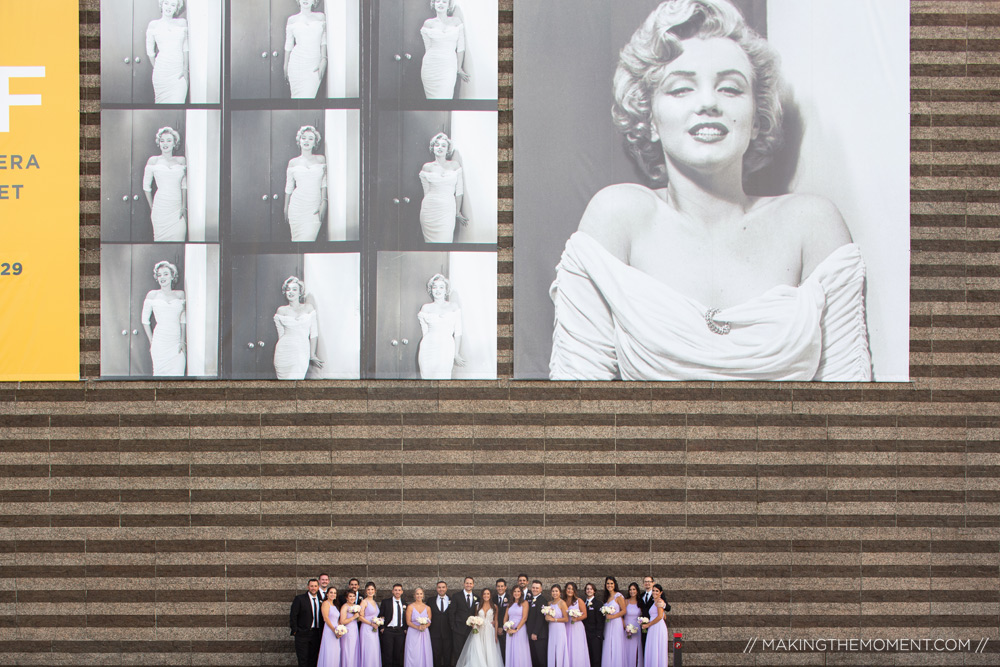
(525,625)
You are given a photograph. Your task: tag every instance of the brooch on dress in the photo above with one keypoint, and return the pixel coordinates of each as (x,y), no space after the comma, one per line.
(721,328)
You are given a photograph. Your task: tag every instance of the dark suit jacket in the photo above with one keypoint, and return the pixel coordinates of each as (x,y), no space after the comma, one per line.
(441,623)
(537,625)
(594,623)
(300,618)
(460,611)
(385,611)
(501,608)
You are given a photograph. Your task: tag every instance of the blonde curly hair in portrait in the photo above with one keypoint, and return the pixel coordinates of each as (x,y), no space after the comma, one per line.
(303,130)
(434,140)
(437,277)
(293,280)
(173,271)
(642,68)
(180,6)
(172,132)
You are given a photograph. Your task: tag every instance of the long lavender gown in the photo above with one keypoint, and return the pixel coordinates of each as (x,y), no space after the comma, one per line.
(657,643)
(417,648)
(329,648)
(558,656)
(371,647)
(576,643)
(350,647)
(633,644)
(613,650)
(518,651)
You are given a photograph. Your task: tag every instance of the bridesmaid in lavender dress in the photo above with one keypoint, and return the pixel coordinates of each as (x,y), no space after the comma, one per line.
(576,635)
(558,655)
(371,647)
(329,648)
(633,642)
(657,636)
(518,651)
(613,650)
(350,653)
(417,647)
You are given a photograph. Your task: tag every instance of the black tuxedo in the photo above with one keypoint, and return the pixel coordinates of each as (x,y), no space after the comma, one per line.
(441,633)
(538,626)
(306,623)
(594,625)
(501,610)
(392,637)
(461,611)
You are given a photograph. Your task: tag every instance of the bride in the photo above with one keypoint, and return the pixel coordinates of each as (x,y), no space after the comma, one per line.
(481,648)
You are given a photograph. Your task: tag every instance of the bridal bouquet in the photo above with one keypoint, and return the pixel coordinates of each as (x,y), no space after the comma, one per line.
(574,614)
(423,620)
(607,610)
(630,630)
(377,622)
(642,619)
(340,630)
(509,625)
(547,610)
(475,623)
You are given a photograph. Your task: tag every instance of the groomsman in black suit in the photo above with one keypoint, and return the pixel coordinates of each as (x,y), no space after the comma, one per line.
(645,602)
(306,623)
(393,633)
(503,601)
(352,585)
(324,585)
(464,605)
(522,581)
(441,641)
(594,625)
(538,628)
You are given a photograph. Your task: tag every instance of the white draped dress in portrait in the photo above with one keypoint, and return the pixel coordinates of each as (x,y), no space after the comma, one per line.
(170,179)
(439,206)
(166,44)
(439,68)
(165,347)
(481,649)
(436,356)
(613,321)
(303,43)
(292,351)
(304,183)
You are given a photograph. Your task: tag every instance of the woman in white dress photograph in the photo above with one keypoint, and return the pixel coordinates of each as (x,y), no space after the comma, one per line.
(306,199)
(305,50)
(481,648)
(168,52)
(295,350)
(691,278)
(168,172)
(444,51)
(443,182)
(166,307)
(441,329)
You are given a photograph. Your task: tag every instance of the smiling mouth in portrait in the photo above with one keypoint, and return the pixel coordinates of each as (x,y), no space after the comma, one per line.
(709,133)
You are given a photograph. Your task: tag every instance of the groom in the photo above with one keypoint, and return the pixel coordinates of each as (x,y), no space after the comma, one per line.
(464,605)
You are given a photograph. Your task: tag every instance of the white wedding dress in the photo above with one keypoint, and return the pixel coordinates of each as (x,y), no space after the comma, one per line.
(481,649)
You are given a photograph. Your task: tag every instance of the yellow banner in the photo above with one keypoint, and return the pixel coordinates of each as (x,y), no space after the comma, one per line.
(39,191)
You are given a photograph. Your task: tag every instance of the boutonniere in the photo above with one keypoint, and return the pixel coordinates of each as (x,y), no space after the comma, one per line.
(475,599)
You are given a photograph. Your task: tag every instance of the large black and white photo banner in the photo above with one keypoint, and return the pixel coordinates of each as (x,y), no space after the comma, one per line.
(711,190)
(255,207)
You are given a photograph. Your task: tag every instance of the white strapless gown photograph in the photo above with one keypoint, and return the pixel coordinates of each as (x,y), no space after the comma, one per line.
(481,649)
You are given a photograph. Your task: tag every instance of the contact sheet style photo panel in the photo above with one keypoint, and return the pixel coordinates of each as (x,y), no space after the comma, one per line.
(269,165)
(711,201)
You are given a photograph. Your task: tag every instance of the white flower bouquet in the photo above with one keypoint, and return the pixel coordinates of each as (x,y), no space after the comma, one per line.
(354,608)
(475,623)
(641,620)
(509,625)
(423,620)
(607,610)
(574,614)
(340,630)
(377,622)
(547,610)
(630,630)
